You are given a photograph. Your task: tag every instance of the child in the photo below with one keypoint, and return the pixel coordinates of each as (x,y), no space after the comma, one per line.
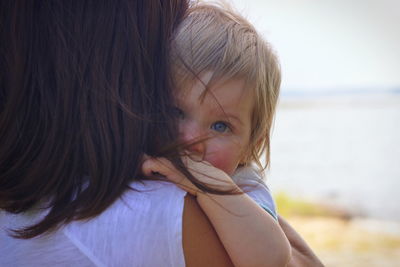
(227,84)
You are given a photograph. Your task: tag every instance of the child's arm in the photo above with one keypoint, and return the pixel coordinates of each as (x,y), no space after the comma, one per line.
(250,235)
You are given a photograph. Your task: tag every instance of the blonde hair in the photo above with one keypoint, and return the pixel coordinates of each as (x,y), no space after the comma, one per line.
(215,38)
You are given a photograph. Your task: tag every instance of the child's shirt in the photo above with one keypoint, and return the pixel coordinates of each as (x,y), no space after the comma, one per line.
(250,181)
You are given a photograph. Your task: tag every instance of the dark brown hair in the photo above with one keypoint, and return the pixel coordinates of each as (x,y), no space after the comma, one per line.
(84,92)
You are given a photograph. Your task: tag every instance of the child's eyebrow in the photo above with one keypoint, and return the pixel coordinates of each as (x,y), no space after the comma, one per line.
(229,116)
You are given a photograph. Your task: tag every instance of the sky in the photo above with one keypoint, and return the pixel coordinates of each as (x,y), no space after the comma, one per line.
(331,44)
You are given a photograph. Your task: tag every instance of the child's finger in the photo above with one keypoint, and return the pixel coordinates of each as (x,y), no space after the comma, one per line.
(145,157)
(162,167)
(147,167)
(153,165)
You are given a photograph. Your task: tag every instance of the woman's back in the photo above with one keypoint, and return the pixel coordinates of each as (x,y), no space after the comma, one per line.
(142,228)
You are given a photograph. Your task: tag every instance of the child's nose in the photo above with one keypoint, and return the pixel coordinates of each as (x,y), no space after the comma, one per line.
(194,138)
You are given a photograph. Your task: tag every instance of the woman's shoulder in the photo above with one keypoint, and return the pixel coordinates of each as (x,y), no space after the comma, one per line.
(151,194)
(144,226)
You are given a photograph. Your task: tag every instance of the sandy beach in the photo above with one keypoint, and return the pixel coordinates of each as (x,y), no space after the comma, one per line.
(354,242)
(340,237)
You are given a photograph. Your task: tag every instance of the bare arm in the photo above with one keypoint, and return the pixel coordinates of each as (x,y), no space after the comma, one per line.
(201,244)
(250,236)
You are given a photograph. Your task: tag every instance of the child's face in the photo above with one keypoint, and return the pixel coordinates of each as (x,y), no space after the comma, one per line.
(223,117)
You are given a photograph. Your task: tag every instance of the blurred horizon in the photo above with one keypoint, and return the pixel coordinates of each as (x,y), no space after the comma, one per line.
(297,91)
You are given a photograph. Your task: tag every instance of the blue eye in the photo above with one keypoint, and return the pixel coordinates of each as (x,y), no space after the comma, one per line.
(178,113)
(220,127)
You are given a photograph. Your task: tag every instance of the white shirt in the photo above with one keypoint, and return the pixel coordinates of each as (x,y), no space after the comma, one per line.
(140,229)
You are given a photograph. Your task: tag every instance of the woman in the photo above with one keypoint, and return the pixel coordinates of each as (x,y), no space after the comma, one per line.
(84,92)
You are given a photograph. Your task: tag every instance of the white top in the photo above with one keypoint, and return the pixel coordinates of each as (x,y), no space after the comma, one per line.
(140,229)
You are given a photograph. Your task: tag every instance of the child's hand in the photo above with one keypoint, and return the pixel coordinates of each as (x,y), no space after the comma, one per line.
(202,170)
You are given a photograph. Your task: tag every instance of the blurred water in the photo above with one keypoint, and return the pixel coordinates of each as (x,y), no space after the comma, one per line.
(343,149)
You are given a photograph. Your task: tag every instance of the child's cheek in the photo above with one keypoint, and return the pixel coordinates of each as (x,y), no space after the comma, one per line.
(223,161)
(224,154)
